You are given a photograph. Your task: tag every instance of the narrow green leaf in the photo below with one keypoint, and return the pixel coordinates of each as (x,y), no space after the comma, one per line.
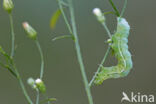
(6,55)
(114,7)
(9,69)
(111,12)
(63,37)
(48,100)
(55,18)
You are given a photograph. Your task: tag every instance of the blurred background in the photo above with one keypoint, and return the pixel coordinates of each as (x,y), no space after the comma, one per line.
(62,74)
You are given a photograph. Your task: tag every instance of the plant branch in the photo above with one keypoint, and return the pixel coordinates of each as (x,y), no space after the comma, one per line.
(42,59)
(79,56)
(12,63)
(124,8)
(42,67)
(114,7)
(64,16)
(98,70)
(12,36)
(37,97)
(22,85)
(107,30)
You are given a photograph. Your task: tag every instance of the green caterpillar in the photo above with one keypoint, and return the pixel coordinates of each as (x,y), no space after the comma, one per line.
(120,48)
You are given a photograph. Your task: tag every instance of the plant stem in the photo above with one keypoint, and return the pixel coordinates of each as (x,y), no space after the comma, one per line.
(79,56)
(107,30)
(42,67)
(42,59)
(98,70)
(12,36)
(22,85)
(13,65)
(64,17)
(37,97)
(124,8)
(114,7)
(105,56)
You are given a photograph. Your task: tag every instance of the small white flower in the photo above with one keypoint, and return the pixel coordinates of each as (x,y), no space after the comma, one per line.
(38,81)
(31,81)
(40,85)
(100,16)
(97,12)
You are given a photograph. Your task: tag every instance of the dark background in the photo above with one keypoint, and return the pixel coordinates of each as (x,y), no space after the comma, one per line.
(62,75)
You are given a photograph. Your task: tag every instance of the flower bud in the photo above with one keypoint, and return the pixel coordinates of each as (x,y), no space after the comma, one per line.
(40,85)
(97,12)
(32,34)
(109,41)
(8,5)
(31,82)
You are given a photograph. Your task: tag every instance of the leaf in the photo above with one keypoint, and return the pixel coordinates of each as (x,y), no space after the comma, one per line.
(9,69)
(6,55)
(55,18)
(114,7)
(63,37)
(110,12)
(48,100)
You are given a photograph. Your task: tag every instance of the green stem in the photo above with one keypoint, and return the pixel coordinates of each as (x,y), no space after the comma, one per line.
(64,17)
(98,70)
(42,59)
(12,36)
(107,30)
(79,56)
(42,67)
(22,85)
(124,8)
(12,54)
(37,97)
(114,7)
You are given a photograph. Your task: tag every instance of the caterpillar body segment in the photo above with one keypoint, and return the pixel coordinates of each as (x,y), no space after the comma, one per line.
(120,48)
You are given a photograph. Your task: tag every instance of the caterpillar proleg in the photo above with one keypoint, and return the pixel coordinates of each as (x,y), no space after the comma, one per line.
(120,48)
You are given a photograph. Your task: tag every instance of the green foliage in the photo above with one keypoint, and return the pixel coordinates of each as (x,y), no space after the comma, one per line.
(63,37)
(48,100)
(55,18)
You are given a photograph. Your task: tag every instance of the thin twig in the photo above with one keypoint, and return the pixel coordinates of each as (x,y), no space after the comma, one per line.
(37,97)
(124,8)
(114,7)
(42,59)
(64,17)
(42,67)
(12,63)
(98,70)
(107,30)
(79,56)
(22,85)
(12,36)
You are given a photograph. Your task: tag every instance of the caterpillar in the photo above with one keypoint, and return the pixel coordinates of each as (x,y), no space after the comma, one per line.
(121,52)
